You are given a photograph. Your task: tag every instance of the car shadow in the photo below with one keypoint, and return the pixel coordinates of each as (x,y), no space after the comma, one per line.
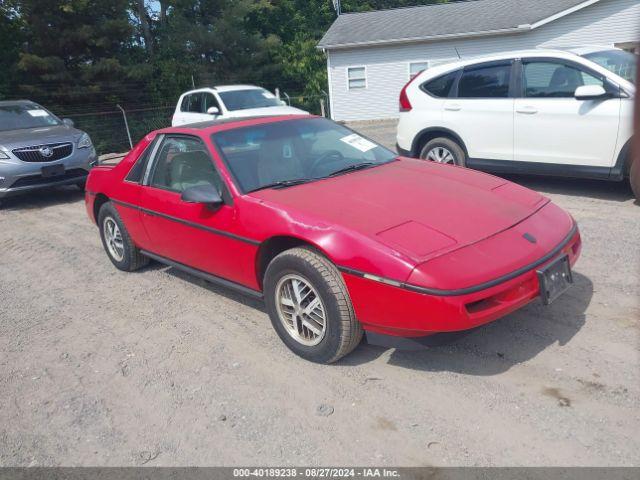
(576,187)
(38,199)
(213,288)
(496,347)
(488,350)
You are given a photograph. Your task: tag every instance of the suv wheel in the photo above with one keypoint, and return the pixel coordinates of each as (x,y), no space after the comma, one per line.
(634,178)
(117,242)
(444,150)
(309,306)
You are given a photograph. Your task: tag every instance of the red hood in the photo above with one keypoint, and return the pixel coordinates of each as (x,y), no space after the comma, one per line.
(418,208)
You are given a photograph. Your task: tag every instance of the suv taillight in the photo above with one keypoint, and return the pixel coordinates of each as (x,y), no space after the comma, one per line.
(405,104)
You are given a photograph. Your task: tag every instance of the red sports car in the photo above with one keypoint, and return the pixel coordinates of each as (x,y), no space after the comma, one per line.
(338,234)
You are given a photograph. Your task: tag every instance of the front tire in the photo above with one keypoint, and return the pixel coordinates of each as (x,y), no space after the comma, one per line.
(309,306)
(634,178)
(116,241)
(444,150)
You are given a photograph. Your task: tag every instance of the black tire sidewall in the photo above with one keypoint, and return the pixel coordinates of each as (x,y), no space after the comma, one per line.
(108,211)
(330,344)
(456,150)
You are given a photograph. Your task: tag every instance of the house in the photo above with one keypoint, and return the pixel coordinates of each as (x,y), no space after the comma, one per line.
(372,55)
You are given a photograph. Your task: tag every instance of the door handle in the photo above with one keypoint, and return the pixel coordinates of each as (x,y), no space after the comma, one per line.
(527,110)
(454,107)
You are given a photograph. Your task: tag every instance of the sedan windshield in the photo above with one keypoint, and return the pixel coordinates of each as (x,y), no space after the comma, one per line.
(20,116)
(291,152)
(249,98)
(619,62)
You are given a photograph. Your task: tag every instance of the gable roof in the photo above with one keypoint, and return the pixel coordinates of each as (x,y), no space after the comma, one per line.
(448,20)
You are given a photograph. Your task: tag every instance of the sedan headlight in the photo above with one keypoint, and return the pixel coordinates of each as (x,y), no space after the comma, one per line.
(85,141)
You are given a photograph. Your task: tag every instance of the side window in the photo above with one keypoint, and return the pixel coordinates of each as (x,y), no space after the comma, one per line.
(193,103)
(137,171)
(555,80)
(485,82)
(357,78)
(209,101)
(441,86)
(184,106)
(183,162)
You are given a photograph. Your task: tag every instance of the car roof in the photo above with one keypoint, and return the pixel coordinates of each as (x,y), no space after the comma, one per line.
(586,49)
(567,54)
(223,88)
(9,103)
(214,125)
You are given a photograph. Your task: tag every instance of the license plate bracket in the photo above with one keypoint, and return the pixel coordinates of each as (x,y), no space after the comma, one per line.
(555,279)
(52,170)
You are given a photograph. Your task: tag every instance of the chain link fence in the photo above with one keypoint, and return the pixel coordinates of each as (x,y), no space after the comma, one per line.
(116,129)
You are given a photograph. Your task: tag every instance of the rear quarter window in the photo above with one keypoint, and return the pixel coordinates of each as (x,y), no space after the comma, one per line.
(441,86)
(136,173)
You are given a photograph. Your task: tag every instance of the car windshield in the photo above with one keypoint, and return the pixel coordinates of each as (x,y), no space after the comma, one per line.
(249,98)
(291,152)
(619,62)
(20,116)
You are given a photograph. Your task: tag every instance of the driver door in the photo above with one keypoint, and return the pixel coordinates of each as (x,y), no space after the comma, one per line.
(192,234)
(553,127)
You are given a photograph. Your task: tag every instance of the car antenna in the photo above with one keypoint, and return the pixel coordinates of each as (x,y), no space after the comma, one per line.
(457,53)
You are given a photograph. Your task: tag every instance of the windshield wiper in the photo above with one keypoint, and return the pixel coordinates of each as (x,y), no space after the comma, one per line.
(283,184)
(352,168)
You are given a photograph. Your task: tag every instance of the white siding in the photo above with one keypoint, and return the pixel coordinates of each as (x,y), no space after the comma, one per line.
(605,23)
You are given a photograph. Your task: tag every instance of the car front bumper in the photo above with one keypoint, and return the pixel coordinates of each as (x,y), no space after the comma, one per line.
(398,311)
(18,177)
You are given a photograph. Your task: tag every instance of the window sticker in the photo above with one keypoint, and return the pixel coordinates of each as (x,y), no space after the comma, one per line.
(356,141)
(38,113)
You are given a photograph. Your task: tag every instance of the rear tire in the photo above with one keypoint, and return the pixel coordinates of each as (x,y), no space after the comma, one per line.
(295,280)
(116,241)
(444,150)
(634,178)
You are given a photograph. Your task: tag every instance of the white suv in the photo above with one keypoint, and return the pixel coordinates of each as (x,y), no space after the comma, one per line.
(553,112)
(229,101)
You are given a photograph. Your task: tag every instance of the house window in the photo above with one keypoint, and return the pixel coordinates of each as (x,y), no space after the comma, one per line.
(357,78)
(417,67)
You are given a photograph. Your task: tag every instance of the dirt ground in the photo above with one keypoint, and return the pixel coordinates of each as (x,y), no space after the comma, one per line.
(100,367)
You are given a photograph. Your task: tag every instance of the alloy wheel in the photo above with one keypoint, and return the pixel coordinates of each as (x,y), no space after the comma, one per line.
(301,310)
(441,155)
(113,239)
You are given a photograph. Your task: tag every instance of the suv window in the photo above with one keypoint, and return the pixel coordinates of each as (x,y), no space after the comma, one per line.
(485,82)
(183,162)
(209,101)
(555,80)
(193,103)
(441,86)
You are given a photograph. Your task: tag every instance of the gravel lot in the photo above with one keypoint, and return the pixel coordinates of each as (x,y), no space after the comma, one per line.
(100,367)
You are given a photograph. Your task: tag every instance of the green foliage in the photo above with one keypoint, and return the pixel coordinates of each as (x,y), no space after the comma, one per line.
(75,55)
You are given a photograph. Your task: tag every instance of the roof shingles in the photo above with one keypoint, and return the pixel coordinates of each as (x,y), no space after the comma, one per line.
(440,20)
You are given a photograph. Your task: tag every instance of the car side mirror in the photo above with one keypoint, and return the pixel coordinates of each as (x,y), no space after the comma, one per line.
(204,194)
(68,122)
(213,111)
(282,103)
(590,92)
